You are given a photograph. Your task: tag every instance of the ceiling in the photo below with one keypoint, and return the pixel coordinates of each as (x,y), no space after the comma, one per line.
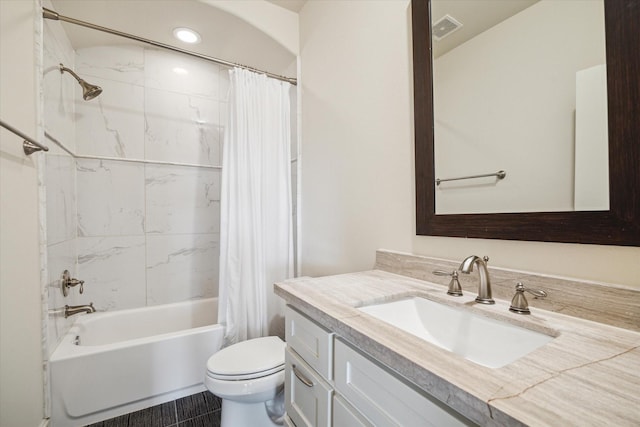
(475,16)
(230,38)
(292,5)
(224,35)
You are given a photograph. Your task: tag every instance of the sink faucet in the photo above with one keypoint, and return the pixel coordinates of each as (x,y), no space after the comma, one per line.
(484,286)
(70,310)
(519,303)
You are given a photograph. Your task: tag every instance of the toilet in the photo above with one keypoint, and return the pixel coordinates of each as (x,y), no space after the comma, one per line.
(248,376)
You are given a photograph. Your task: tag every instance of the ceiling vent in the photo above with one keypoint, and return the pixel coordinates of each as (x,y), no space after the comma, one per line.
(445,26)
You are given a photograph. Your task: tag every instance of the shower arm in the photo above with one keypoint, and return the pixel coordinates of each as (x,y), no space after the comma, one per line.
(70,71)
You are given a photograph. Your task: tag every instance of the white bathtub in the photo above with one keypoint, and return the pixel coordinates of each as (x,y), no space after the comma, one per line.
(131,359)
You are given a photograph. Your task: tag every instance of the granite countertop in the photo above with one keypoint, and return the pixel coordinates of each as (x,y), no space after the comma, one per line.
(589,375)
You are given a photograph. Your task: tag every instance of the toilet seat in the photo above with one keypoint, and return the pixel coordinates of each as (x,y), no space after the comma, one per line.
(250,359)
(247,391)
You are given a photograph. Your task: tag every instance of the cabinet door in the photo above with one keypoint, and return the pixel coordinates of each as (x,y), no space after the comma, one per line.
(383,397)
(311,341)
(344,415)
(307,395)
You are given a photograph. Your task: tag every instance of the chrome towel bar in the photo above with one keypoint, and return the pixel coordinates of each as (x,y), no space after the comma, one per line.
(499,175)
(29,145)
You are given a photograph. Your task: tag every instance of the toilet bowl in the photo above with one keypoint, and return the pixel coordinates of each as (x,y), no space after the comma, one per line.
(247,376)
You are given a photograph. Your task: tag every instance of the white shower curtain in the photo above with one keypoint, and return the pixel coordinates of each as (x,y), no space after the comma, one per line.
(256,238)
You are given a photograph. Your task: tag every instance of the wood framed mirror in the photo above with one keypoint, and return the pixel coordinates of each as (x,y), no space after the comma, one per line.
(620,225)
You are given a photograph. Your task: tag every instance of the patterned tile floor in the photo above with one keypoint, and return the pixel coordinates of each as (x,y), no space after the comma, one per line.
(198,410)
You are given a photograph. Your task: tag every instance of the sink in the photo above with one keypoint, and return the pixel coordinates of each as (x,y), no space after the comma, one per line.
(482,340)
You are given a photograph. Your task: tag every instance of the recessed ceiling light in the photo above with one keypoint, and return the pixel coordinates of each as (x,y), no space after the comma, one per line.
(186,35)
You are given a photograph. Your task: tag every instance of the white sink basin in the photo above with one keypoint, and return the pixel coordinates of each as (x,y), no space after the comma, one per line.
(482,340)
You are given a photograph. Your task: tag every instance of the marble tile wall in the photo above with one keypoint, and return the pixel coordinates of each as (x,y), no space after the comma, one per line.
(149,233)
(60,179)
(137,233)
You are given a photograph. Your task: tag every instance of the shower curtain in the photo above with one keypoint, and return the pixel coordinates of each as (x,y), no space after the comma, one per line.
(256,225)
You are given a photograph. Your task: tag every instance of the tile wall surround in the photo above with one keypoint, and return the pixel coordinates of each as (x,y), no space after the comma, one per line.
(60,221)
(40,162)
(610,304)
(148,233)
(138,234)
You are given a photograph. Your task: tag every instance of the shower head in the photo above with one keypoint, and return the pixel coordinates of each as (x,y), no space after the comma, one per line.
(89,91)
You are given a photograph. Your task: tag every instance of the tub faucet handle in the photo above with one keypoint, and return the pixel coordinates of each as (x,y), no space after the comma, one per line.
(454,285)
(519,303)
(69,282)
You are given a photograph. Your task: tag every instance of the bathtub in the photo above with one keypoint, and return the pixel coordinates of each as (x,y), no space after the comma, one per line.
(117,362)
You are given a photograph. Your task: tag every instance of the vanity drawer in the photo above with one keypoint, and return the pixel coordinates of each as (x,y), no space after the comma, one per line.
(307,396)
(383,397)
(311,341)
(344,415)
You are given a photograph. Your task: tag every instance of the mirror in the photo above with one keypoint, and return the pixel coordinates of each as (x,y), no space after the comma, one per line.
(519,86)
(620,224)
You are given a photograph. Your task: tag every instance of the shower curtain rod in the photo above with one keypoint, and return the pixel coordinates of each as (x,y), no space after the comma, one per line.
(53,15)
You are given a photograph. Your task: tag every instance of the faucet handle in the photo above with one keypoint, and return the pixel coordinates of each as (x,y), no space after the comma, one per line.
(69,282)
(454,285)
(519,303)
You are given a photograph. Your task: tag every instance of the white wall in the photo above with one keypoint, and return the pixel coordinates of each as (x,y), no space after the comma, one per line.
(21,385)
(357,153)
(357,188)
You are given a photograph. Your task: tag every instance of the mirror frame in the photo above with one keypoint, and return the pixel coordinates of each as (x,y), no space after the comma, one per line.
(620,225)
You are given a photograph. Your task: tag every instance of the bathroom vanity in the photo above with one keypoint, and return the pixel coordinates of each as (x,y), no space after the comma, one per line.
(329,382)
(345,367)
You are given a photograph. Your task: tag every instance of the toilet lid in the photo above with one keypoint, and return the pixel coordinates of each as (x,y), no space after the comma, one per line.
(248,359)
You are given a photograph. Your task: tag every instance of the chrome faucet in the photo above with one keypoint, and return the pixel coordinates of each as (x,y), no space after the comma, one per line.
(70,310)
(484,286)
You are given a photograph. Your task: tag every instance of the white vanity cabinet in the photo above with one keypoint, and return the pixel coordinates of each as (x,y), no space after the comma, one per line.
(385,398)
(311,341)
(308,370)
(307,394)
(328,383)
(344,415)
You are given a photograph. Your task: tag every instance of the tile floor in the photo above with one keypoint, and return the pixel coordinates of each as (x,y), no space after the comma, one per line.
(198,410)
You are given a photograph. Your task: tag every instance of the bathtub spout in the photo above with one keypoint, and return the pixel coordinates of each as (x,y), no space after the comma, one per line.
(70,310)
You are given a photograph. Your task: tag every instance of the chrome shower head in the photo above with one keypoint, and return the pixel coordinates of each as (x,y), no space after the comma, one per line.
(89,91)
